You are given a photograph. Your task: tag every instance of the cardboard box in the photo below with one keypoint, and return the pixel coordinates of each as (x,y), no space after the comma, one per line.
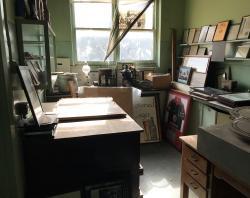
(159,81)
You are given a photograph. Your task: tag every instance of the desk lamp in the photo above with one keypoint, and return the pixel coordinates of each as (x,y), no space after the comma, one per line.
(86,70)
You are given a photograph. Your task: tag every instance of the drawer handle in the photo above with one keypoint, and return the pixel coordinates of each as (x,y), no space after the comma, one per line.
(194,172)
(194,158)
(193,185)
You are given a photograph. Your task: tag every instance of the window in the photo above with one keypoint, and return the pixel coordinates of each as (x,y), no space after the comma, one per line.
(92,26)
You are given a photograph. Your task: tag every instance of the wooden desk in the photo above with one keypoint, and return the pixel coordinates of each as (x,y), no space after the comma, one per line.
(82,154)
(204,178)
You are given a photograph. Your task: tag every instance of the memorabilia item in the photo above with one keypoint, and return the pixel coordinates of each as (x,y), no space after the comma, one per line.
(221,31)
(176,118)
(200,64)
(185,51)
(191,36)
(198,79)
(218,51)
(210,33)
(202,51)
(197,35)
(193,50)
(203,34)
(242,51)
(116,189)
(233,32)
(235,100)
(147,116)
(244,28)
(184,74)
(185,36)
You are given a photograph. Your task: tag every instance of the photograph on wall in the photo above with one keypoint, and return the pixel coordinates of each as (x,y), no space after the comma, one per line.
(147,116)
(176,118)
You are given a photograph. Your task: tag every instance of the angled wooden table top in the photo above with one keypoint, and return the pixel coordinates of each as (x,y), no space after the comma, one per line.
(93,127)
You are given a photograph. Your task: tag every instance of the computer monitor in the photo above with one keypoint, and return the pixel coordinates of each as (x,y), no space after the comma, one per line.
(31,94)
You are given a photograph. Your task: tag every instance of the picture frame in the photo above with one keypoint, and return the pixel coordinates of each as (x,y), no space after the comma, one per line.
(185,36)
(197,35)
(117,189)
(203,34)
(233,32)
(147,115)
(198,79)
(193,50)
(176,117)
(191,35)
(242,51)
(184,74)
(202,51)
(244,31)
(199,64)
(221,31)
(185,50)
(210,33)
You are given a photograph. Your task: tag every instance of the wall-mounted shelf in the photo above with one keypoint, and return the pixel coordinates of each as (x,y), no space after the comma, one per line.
(238,59)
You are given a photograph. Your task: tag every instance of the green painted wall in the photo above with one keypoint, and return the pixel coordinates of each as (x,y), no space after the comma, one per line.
(61,23)
(198,13)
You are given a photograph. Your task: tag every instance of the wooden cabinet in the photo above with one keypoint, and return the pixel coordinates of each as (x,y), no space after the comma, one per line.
(195,172)
(36,44)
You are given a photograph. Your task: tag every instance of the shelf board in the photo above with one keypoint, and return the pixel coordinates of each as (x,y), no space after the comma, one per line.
(202,56)
(238,41)
(238,59)
(34,42)
(204,43)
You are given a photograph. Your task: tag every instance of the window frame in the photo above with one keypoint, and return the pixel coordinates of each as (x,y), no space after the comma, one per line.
(116,52)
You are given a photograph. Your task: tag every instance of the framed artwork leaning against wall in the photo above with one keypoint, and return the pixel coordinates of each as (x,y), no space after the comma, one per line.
(176,116)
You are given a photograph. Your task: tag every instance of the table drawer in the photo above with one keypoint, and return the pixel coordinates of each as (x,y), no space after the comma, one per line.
(195,159)
(193,185)
(195,173)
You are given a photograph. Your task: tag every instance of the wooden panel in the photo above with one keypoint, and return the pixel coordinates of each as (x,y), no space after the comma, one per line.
(195,159)
(195,173)
(194,186)
(121,95)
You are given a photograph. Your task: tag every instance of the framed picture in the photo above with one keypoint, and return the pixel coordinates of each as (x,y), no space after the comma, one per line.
(193,50)
(185,36)
(203,34)
(221,31)
(200,64)
(244,28)
(198,79)
(115,189)
(185,50)
(202,51)
(191,36)
(210,33)
(147,115)
(177,115)
(242,51)
(184,74)
(197,35)
(233,32)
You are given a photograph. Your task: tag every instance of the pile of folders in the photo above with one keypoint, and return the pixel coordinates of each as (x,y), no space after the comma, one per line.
(224,97)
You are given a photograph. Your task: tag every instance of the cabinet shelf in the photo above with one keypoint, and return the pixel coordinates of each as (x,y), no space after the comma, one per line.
(203,56)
